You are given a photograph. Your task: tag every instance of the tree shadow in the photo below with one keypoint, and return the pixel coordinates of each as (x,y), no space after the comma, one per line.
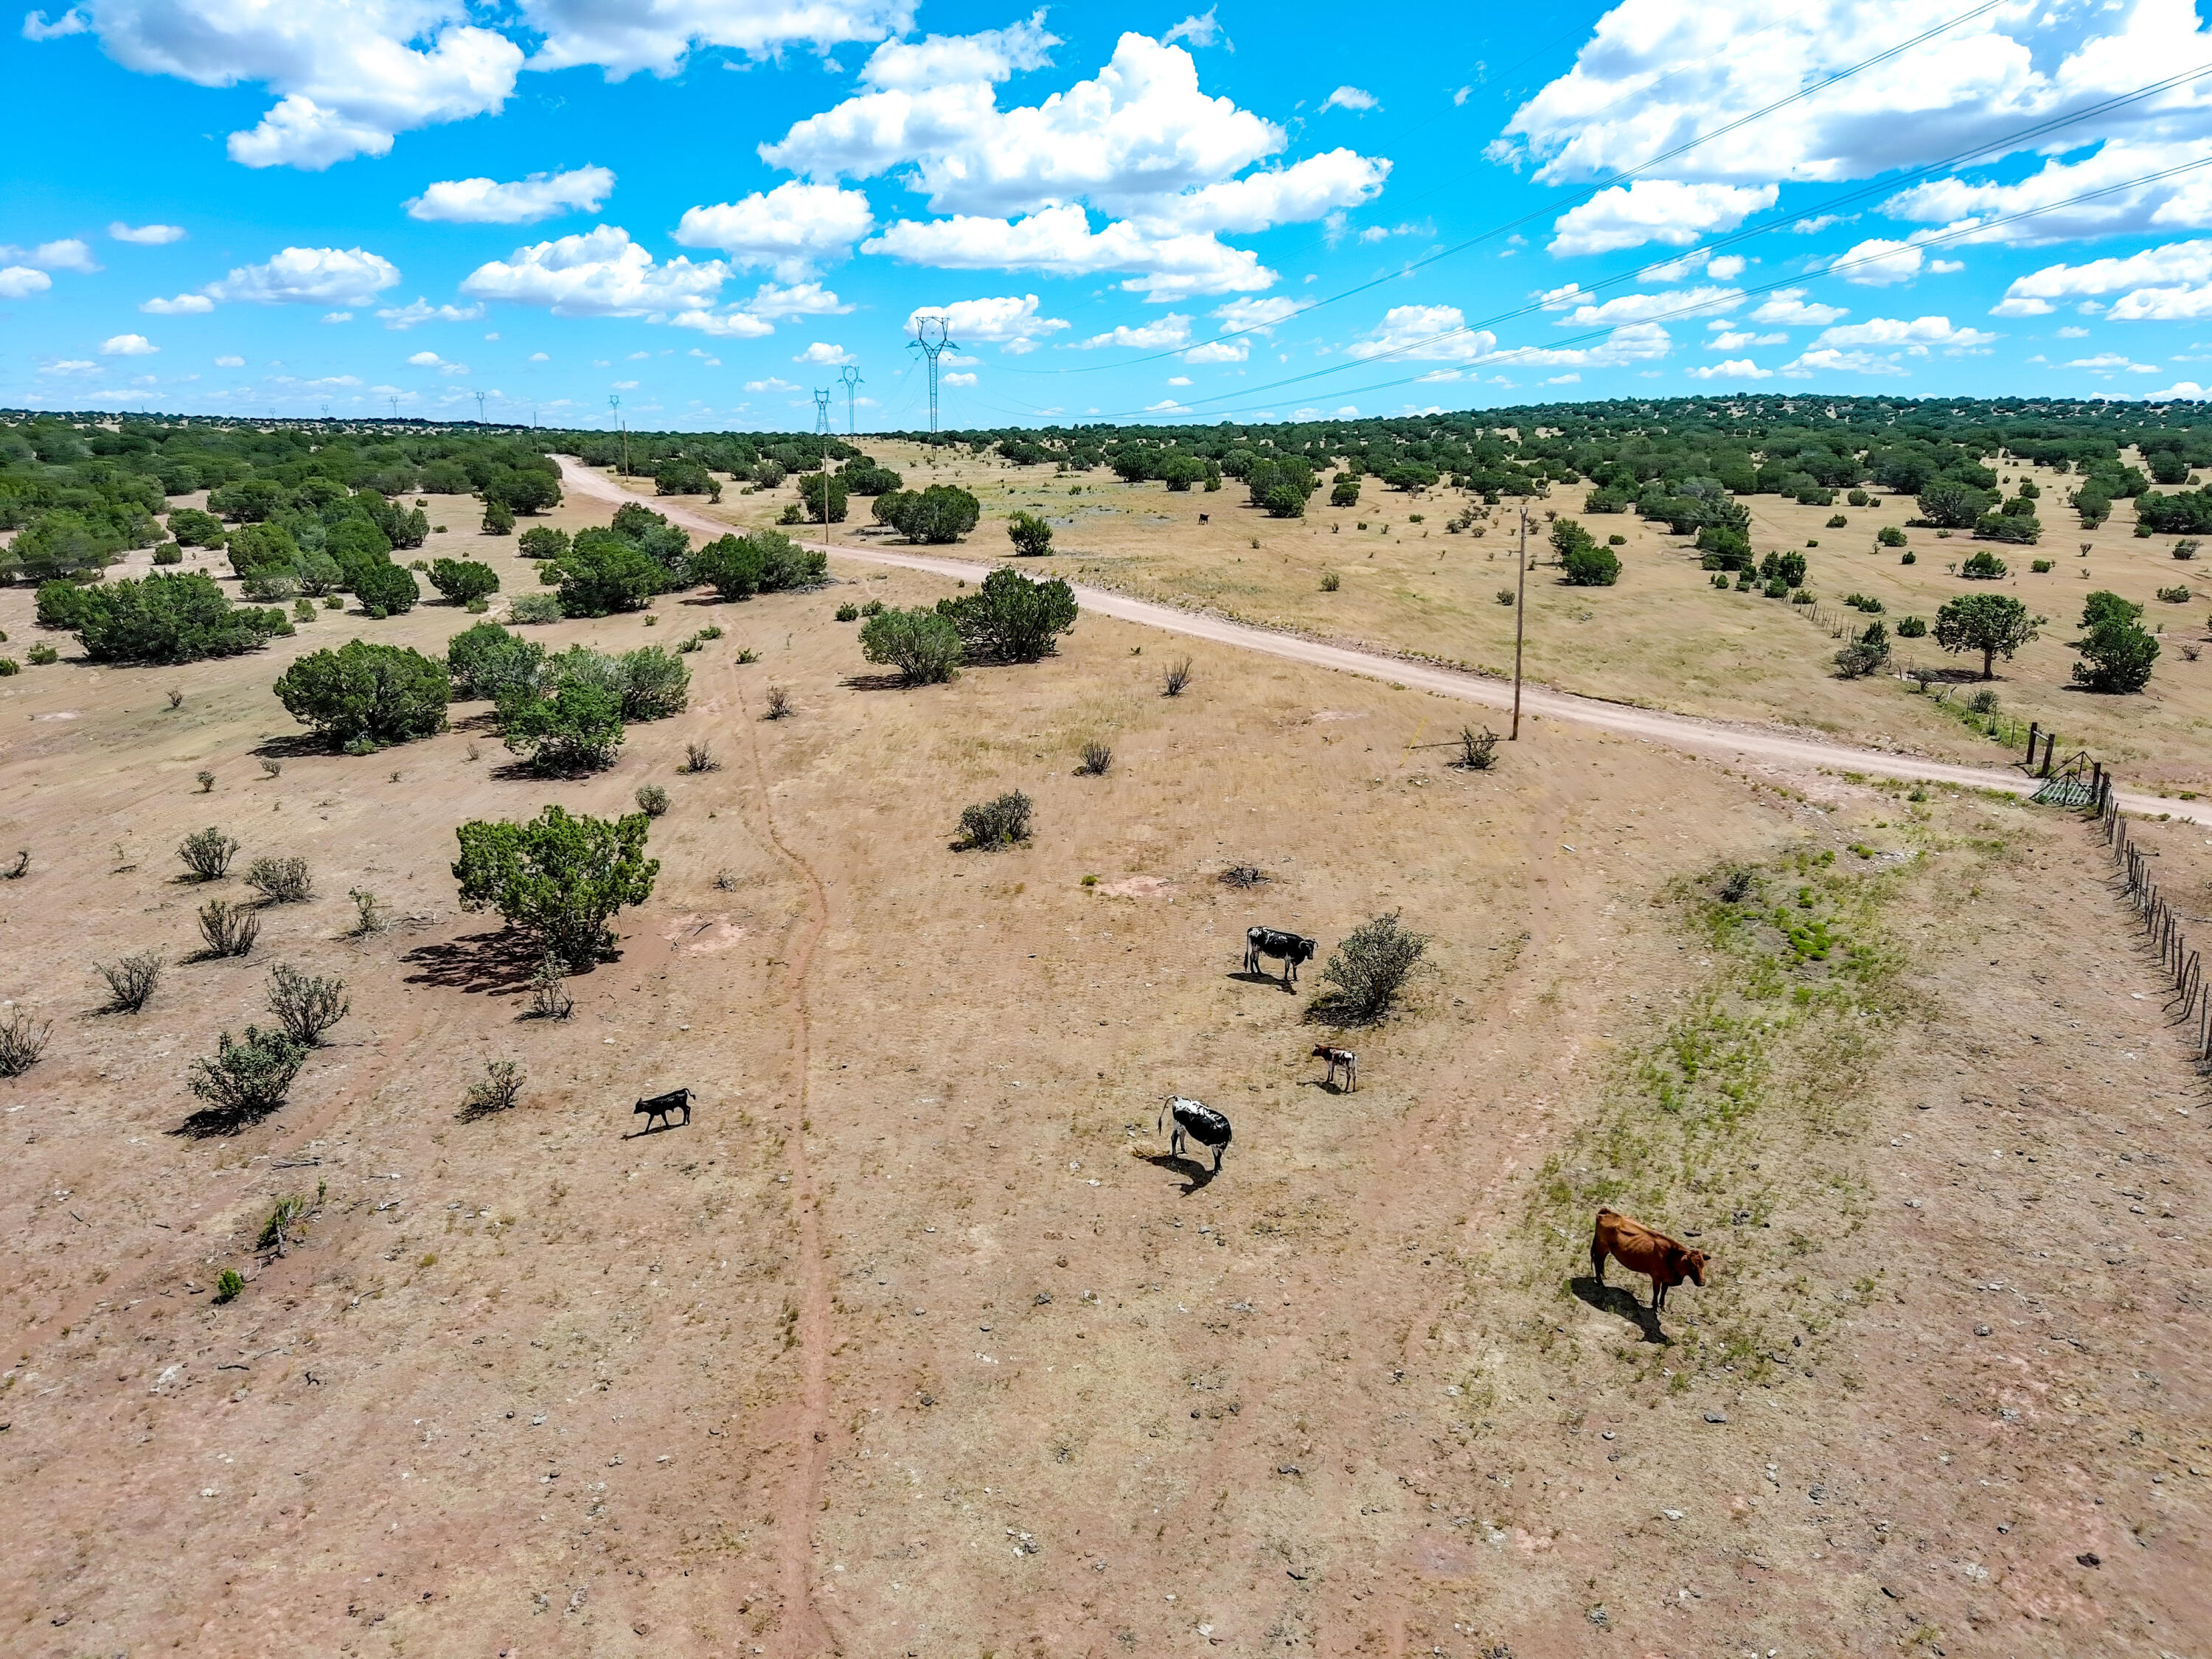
(1195,1174)
(492,964)
(1334,1009)
(211,1122)
(891,682)
(1622,1303)
(297,746)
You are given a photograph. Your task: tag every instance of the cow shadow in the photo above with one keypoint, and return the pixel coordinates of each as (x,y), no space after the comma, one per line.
(1246,977)
(1196,1176)
(1622,1302)
(491,964)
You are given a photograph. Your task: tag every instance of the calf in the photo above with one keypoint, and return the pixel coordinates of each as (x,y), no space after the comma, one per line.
(1641,1250)
(1341,1059)
(660,1106)
(1273,942)
(1200,1122)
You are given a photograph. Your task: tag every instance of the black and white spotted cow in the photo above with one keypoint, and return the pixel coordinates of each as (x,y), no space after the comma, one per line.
(1198,1120)
(1273,942)
(664,1106)
(1339,1060)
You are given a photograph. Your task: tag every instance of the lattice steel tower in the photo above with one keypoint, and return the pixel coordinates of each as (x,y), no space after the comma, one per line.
(821,410)
(929,348)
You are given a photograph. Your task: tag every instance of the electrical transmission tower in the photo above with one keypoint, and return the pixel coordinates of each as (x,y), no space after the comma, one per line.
(851,377)
(930,348)
(614,403)
(821,411)
(480,398)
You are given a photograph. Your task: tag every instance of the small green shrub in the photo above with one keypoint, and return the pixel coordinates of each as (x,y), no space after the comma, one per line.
(131,981)
(249,1079)
(1097,758)
(1890,535)
(526,609)
(168,553)
(1836,521)
(227,1285)
(996,823)
(207,854)
(40,655)
(1911,628)
(2177,595)
(229,929)
(1330,581)
(2040,567)
(496,1090)
(308,1006)
(651,799)
(1030,535)
(848,612)
(281,881)
(922,644)
(1368,970)
(461,580)
(1984,567)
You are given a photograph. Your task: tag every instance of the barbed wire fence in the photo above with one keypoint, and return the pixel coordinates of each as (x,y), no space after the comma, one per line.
(2161,922)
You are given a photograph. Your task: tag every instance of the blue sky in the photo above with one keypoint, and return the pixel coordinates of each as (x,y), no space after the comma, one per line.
(707,208)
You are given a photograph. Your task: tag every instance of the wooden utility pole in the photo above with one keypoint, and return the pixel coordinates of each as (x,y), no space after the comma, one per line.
(1519,620)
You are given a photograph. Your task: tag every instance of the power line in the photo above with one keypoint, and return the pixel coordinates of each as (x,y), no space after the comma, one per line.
(1560,203)
(1939,238)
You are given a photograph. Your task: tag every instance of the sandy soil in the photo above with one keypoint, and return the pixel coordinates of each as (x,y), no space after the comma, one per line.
(916,1341)
(1663,638)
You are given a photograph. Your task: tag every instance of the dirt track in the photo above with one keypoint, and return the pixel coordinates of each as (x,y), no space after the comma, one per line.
(1710,739)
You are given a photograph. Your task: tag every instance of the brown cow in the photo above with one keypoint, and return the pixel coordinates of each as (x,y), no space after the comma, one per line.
(1641,1250)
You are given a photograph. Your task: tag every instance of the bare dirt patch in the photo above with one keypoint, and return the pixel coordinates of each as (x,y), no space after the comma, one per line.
(918,1339)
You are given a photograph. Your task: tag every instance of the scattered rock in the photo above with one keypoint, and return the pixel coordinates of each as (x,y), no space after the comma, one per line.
(2090,1558)
(1710,1417)
(1981,1330)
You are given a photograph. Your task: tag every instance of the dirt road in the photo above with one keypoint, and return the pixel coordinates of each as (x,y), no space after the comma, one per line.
(1709,738)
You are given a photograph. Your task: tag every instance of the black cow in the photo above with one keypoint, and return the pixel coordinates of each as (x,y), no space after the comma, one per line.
(1198,1120)
(660,1106)
(1273,942)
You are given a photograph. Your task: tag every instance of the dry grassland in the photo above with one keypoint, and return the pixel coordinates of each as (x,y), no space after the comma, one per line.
(917,1342)
(1663,638)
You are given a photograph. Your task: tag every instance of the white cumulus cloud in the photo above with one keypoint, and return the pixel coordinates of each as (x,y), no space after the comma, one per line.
(20,281)
(1166,332)
(1139,142)
(1789,308)
(1662,211)
(792,230)
(349,75)
(69,253)
(1353,98)
(1918,335)
(823,354)
(1011,322)
(145,235)
(1735,368)
(599,273)
(308,276)
(1643,307)
(488,201)
(1656,73)
(2171,283)
(420,310)
(183,305)
(1260,316)
(128,345)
